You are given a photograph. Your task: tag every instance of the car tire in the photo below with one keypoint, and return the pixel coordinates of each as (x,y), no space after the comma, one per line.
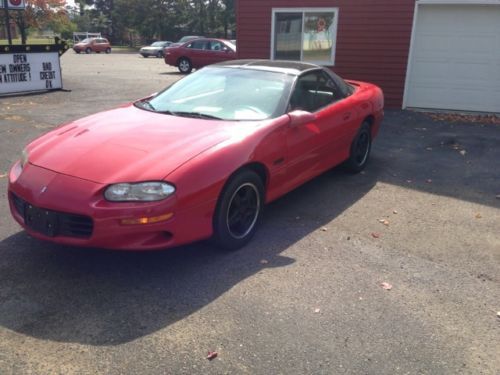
(238,211)
(78,52)
(159,54)
(144,55)
(88,50)
(360,149)
(107,50)
(185,65)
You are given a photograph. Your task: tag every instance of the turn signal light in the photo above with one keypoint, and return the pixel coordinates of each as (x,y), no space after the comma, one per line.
(147,220)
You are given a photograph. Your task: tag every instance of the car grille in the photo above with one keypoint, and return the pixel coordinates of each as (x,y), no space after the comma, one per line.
(68,225)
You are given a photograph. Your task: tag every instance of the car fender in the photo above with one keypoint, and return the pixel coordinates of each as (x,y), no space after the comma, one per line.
(202,178)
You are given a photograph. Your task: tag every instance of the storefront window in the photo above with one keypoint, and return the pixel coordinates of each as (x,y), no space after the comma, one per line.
(305,34)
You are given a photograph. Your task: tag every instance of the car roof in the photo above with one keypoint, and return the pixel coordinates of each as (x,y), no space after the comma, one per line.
(283,66)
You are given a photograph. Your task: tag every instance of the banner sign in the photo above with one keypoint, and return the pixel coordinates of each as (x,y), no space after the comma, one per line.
(13,4)
(24,71)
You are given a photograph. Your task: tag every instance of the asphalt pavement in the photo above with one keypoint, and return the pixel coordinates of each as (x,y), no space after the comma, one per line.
(306,296)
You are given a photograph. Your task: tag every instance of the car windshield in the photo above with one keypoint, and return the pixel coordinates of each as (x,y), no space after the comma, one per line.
(86,40)
(225,93)
(158,44)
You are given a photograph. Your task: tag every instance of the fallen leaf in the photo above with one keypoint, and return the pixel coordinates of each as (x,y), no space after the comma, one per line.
(375,235)
(317,310)
(478,216)
(498,314)
(395,212)
(463,152)
(384,221)
(386,286)
(211,355)
(324,229)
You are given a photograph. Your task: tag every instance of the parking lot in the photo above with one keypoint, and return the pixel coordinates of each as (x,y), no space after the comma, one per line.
(304,297)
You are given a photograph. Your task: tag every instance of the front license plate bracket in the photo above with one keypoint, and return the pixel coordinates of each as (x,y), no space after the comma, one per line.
(40,220)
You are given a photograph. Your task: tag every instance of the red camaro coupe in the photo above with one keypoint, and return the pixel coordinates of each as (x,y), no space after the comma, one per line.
(198,160)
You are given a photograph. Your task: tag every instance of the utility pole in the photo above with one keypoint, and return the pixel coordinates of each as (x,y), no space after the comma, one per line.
(7,21)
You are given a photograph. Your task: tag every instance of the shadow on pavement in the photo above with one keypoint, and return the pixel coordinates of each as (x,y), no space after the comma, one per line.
(102,298)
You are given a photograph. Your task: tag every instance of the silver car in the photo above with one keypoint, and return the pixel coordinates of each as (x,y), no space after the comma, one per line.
(155,49)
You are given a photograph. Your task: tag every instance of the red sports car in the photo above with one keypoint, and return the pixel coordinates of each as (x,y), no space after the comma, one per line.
(199,53)
(198,160)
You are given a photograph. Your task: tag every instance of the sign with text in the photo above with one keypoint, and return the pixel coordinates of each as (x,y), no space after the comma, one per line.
(13,4)
(23,72)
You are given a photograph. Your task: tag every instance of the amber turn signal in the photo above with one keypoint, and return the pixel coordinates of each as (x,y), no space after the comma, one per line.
(147,220)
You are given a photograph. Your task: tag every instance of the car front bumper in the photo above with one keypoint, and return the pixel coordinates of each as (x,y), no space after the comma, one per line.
(80,216)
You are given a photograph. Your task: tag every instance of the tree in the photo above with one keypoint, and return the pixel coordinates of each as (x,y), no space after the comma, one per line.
(39,14)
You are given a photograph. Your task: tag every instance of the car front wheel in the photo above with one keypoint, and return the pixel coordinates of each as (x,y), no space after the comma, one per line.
(360,149)
(238,210)
(185,66)
(107,50)
(88,50)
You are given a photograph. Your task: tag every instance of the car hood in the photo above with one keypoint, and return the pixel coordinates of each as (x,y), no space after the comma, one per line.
(126,144)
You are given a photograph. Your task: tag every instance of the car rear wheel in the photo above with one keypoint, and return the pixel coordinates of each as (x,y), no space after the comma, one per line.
(159,54)
(360,149)
(88,50)
(108,50)
(185,65)
(238,210)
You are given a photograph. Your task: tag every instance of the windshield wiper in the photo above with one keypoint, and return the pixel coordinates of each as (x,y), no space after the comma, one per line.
(195,115)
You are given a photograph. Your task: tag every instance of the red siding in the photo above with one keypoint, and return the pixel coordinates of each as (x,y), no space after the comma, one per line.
(373,38)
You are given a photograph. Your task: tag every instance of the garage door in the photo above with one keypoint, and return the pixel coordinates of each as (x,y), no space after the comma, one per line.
(455,58)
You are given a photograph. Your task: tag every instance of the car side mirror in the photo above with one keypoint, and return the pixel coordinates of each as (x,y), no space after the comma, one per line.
(299,117)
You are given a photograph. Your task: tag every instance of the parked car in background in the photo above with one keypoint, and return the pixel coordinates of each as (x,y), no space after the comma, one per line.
(89,45)
(155,49)
(198,53)
(185,39)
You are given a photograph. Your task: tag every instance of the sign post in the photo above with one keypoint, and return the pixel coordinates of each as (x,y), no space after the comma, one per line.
(7,21)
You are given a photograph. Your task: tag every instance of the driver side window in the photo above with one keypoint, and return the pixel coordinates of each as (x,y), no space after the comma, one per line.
(313,91)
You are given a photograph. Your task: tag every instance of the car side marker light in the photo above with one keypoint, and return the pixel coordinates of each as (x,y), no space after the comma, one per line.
(147,220)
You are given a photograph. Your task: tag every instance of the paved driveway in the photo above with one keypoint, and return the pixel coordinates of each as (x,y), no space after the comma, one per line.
(304,297)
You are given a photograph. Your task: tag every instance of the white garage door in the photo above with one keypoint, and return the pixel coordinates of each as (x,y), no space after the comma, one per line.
(455,58)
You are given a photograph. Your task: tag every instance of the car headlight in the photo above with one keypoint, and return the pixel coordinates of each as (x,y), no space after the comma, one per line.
(139,192)
(24,158)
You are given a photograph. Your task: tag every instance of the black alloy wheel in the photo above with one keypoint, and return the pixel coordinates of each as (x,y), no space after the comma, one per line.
(360,149)
(238,210)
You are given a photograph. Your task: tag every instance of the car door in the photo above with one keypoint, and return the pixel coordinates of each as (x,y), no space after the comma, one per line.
(219,52)
(197,52)
(315,146)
